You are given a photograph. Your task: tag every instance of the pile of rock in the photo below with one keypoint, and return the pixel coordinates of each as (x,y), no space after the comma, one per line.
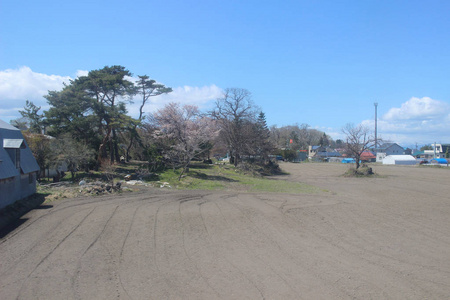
(98,187)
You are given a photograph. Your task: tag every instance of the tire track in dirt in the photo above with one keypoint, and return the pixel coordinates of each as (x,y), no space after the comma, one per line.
(36,241)
(241,272)
(286,251)
(108,248)
(355,246)
(70,204)
(360,246)
(215,248)
(188,256)
(26,250)
(399,268)
(317,260)
(177,200)
(169,252)
(123,247)
(75,277)
(101,232)
(170,285)
(203,245)
(51,252)
(329,239)
(256,229)
(391,219)
(142,267)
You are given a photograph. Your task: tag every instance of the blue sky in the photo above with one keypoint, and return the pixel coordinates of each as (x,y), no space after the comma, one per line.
(323,63)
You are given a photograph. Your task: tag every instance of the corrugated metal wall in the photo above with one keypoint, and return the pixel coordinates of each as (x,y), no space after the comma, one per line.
(16,188)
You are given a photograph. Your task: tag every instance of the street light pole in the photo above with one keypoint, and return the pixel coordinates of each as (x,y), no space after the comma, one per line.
(376,140)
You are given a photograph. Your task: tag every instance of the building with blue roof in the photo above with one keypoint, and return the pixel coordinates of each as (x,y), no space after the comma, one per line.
(18,167)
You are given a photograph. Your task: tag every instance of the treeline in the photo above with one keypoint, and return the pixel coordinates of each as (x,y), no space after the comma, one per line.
(300,137)
(88,126)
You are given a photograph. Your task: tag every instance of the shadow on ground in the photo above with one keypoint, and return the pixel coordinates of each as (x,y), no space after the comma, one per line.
(204,176)
(10,216)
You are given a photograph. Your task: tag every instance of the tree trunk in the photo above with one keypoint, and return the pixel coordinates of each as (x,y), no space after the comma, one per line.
(116,146)
(357,162)
(102,148)
(184,169)
(127,153)
(111,151)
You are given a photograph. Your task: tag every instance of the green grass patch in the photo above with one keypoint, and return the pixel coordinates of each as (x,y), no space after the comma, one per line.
(226,177)
(199,177)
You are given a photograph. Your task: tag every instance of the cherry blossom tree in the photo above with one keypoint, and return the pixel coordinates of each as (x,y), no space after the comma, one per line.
(181,132)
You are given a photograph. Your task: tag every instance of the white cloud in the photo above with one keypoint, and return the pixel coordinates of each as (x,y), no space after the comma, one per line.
(81,73)
(193,95)
(19,85)
(418,120)
(199,96)
(418,109)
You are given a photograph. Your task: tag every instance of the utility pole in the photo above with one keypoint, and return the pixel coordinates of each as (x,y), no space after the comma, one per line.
(434,149)
(376,140)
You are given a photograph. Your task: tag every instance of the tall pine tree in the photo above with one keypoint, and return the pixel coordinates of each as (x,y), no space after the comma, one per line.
(263,145)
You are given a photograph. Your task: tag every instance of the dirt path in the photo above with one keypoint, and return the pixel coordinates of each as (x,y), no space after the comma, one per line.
(374,238)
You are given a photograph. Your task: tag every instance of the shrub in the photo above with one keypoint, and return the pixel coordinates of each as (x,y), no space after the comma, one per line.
(363,171)
(260,168)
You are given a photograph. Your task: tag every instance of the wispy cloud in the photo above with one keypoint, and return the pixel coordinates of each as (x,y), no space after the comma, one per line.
(19,85)
(199,96)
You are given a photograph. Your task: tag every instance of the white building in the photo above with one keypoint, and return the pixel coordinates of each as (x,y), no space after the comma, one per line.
(399,160)
(388,149)
(439,151)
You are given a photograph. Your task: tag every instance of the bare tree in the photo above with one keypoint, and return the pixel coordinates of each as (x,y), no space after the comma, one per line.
(234,111)
(275,135)
(297,137)
(182,129)
(358,140)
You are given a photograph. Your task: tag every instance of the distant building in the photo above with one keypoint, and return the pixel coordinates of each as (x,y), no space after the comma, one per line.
(388,149)
(438,151)
(18,167)
(312,150)
(419,154)
(326,155)
(302,155)
(408,151)
(368,156)
(399,160)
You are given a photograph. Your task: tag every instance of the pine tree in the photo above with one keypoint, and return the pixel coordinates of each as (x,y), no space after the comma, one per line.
(263,146)
(35,120)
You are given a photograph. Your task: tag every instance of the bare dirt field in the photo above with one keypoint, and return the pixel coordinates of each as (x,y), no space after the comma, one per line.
(360,238)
